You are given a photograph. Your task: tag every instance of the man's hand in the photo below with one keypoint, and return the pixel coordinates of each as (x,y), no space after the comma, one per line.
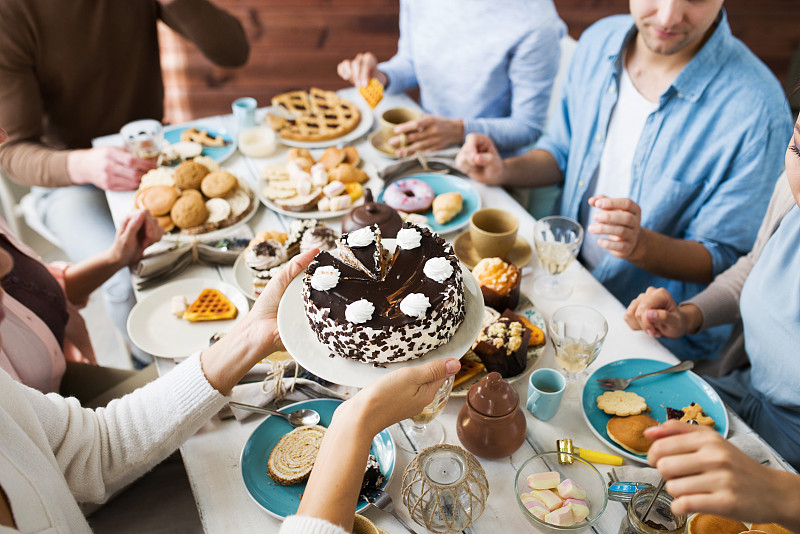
(706,473)
(138,231)
(109,168)
(360,69)
(655,312)
(480,160)
(621,220)
(427,133)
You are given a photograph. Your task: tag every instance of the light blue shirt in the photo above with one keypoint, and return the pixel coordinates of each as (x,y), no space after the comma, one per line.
(770,308)
(705,163)
(491,64)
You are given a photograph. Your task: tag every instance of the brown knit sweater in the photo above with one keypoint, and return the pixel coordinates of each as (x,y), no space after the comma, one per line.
(74,70)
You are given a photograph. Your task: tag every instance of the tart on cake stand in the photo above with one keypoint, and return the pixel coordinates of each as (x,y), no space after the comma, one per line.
(302,343)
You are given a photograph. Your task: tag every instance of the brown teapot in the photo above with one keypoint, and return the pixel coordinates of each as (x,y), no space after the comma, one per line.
(370,213)
(491,423)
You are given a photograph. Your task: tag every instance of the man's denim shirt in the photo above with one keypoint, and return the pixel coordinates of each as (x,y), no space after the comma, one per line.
(705,164)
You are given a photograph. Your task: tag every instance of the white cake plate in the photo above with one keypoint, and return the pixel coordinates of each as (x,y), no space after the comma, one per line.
(302,343)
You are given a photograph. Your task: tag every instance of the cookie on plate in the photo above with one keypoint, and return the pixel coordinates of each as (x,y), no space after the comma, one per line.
(189,175)
(189,210)
(621,403)
(218,184)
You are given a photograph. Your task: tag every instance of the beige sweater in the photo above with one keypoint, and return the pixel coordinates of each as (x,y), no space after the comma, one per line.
(72,71)
(719,302)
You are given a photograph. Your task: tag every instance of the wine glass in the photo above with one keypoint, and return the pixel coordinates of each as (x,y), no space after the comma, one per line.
(577,333)
(558,240)
(421,430)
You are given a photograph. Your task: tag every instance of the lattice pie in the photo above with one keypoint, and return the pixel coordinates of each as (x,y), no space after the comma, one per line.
(315,115)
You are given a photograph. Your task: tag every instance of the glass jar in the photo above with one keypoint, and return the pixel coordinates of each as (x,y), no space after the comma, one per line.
(660,520)
(445,488)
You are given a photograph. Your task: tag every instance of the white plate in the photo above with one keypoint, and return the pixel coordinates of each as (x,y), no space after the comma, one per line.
(243,277)
(153,328)
(301,342)
(364,126)
(524,308)
(374,183)
(222,232)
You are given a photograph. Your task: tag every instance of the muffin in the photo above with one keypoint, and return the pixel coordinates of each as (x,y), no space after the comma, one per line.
(499,280)
(263,255)
(502,346)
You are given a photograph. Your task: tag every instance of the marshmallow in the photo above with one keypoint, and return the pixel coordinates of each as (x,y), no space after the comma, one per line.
(580,510)
(561,517)
(539,481)
(550,499)
(339,203)
(535,507)
(569,489)
(333,189)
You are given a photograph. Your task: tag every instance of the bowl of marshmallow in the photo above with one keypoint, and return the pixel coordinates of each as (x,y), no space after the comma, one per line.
(560,492)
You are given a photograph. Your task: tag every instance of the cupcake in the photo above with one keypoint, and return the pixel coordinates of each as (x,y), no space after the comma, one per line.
(503,345)
(321,237)
(499,280)
(264,255)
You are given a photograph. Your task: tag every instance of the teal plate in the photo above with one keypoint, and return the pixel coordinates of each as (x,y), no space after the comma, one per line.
(675,390)
(218,154)
(445,183)
(281,501)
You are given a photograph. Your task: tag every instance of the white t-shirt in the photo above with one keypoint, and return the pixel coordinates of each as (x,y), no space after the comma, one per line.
(613,177)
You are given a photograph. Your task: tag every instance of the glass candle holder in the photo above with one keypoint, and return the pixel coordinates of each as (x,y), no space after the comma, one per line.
(445,488)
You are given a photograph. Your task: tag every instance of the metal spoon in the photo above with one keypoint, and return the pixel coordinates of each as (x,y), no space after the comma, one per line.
(303,417)
(653,500)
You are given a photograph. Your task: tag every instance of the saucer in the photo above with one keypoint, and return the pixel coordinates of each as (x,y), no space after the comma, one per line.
(520,254)
(378,142)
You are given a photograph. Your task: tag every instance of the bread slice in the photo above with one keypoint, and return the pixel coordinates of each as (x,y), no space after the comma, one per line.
(628,432)
(292,459)
(300,202)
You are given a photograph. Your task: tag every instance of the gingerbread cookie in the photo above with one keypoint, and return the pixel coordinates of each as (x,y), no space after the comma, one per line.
(621,403)
(189,175)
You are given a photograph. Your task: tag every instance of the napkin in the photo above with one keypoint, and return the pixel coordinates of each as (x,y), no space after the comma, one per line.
(442,160)
(747,442)
(164,260)
(270,382)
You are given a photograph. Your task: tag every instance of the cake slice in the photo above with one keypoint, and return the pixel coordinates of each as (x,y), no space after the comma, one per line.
(292,459)
(362,249)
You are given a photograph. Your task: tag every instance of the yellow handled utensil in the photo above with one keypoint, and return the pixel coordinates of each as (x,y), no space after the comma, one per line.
(565,445)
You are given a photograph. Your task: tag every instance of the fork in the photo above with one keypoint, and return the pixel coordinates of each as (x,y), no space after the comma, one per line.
(617,384)
(380,499)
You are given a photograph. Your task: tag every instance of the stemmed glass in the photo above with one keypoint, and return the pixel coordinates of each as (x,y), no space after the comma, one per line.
(421,430)
(558,240)
(577,333)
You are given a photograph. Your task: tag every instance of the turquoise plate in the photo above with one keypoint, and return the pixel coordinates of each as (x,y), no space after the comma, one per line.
(218,154)
(445,183)
(675,390)
(281,501)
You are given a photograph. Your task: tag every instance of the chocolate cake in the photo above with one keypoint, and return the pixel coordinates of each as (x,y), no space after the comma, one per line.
(379,307)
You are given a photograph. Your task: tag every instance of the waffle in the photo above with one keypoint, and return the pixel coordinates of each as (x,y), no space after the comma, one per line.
(292,459)
(315,115)
(211,305)
(372,92)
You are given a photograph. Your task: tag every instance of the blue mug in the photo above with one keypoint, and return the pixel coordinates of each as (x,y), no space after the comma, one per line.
(545,389)
(244,111)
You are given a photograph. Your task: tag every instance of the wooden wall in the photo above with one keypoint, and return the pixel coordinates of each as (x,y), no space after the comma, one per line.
(298,43)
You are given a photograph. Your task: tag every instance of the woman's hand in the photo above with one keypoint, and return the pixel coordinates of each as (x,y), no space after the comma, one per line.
(706,473)
(360,69)
(480,160)
(655,312)
(256,336)
(138,231)
(427,133)
(398,395)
